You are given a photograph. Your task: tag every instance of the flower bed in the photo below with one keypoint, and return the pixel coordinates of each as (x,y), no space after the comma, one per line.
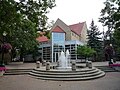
(2,70)
(115,65)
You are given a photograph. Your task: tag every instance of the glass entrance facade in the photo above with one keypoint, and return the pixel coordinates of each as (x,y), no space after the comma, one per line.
(51,50)
(58,45)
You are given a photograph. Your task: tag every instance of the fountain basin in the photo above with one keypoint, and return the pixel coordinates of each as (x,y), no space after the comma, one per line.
(63,68)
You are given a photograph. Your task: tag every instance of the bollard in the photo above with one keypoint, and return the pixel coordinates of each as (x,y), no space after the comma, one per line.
(89,64)
(44,63)
(37,64)
(47,65)
(73,66)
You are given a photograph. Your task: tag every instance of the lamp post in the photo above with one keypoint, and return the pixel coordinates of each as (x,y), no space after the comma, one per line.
(3,48)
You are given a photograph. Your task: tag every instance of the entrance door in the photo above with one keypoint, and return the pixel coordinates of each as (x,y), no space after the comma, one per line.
(56,56)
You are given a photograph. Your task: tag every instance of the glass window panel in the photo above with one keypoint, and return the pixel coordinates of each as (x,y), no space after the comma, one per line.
(58,37)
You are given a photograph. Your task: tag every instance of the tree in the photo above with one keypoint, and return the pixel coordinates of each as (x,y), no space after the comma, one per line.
(13,13)
(110,17)
(117,42)
(35,11)
(49,26)
(8,21)
(85,51)
(21,20)
(94,40)
(24,36)
(8,16)
(107,15)
(47,34)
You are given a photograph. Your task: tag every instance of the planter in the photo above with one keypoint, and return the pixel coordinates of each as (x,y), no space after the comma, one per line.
(1,73)
(2,70)
(114,65)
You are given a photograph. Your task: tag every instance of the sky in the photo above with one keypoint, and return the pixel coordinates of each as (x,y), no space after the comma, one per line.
(75,11)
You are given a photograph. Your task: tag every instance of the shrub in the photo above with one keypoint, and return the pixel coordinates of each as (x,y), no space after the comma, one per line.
(85,51)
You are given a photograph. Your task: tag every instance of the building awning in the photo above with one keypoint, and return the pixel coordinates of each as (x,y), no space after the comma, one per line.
(42,39)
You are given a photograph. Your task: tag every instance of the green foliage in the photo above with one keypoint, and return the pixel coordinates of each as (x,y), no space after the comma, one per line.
(25,36)
(94,40)
(47,34)
(85,51)
(36,10)
(21,20)
(8,16)
(50,24)
(117,40)
(110,16)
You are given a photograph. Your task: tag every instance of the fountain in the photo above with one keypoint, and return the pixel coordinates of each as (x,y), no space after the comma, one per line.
(64,61)
(68,57)
(65,71)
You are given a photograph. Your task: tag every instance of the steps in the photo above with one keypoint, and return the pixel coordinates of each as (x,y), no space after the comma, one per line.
(17,71)
(106,68)
(82,74)
(78,75)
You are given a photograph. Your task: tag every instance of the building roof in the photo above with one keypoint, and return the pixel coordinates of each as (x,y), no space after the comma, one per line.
(61,27)
(77,28)
(58,29)
(42,39)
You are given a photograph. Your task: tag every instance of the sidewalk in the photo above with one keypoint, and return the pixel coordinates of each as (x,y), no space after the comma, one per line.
(20,65)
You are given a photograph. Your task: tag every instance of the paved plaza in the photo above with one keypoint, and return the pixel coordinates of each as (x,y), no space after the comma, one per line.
(111,81)
(24,82)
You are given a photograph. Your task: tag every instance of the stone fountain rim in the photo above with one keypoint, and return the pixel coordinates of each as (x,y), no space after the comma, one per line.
(56,70)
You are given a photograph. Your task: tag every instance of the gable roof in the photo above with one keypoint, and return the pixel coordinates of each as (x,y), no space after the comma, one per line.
(60,26)
(77,28)
(42,39)
(58,29)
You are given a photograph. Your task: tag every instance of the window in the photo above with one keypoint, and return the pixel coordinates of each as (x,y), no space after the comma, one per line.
(58,38)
